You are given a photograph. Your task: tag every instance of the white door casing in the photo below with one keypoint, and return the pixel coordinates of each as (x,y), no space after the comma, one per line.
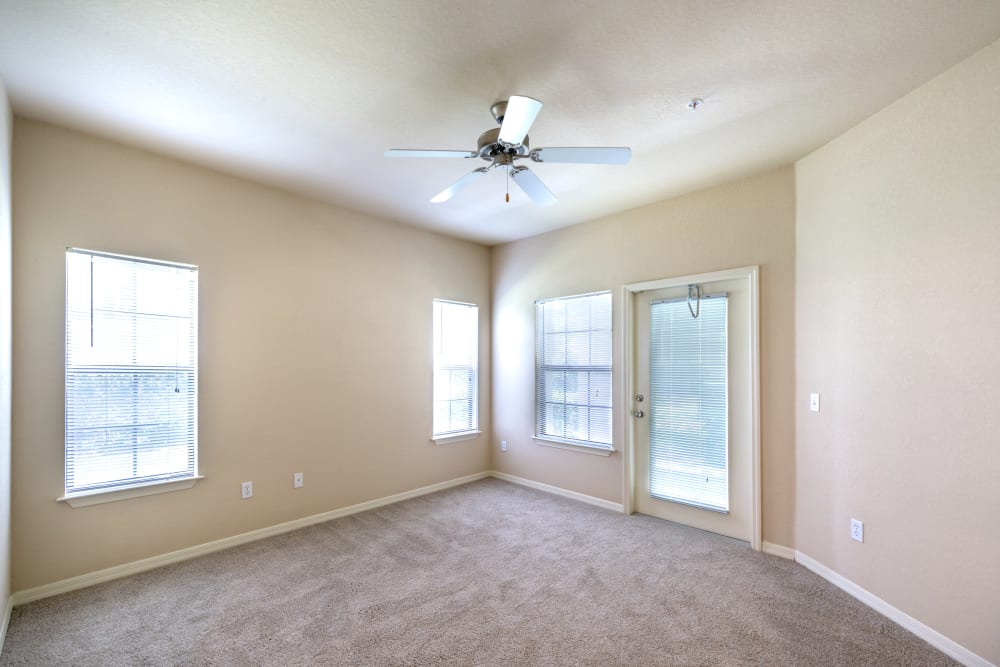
(743,521)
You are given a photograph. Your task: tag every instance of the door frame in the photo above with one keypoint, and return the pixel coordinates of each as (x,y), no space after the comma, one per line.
(752,275)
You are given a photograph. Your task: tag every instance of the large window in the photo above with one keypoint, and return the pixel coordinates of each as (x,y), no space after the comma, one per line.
(456,363)
(131,372)
(573,370)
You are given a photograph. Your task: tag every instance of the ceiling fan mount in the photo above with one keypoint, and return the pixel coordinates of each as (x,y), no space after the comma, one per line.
(499,110)
(503,145)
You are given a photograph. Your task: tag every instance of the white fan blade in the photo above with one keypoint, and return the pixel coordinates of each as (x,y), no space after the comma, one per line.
(459,185)
(533,186)
(407,152)
(517,119)
(583,155)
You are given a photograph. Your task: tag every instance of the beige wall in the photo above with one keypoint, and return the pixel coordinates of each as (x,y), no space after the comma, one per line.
(738,224)
(315,343)
(6,125)
(898,314)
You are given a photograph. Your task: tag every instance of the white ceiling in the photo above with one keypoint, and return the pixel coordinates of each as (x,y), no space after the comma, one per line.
(307,95)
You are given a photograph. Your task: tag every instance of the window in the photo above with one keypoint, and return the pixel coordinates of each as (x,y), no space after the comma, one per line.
(131,373)
(573,370)
(456,364)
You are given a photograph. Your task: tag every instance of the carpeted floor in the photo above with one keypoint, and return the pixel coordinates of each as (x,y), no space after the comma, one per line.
(485,574)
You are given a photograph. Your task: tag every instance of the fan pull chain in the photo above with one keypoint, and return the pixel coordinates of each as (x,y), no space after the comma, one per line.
(508,185)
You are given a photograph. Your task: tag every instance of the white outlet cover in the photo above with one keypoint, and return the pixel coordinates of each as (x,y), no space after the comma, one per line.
(297,480)
(246,489)
(503,445)
(857,530)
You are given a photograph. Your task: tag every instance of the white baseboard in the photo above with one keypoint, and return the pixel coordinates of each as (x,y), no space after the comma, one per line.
(559,491)
(929,635)
(6,620)
(126,569)
(777,550)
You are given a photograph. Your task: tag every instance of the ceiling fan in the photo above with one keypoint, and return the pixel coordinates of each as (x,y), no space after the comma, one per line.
(501,146)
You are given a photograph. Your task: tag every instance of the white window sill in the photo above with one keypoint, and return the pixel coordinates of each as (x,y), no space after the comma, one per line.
(574,446)
(123,493)
(455,437)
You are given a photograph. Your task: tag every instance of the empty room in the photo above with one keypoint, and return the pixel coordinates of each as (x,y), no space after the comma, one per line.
(473,333)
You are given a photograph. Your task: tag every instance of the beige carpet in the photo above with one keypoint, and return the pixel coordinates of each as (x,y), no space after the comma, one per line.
(485,574)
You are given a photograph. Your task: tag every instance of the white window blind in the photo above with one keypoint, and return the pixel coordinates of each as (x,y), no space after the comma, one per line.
(688,403)
(131,371)
(573,370)
(456,364)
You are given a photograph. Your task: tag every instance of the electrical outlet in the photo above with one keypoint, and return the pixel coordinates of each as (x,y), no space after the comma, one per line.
(814,402)
(297,480)
(503,445)
(247,489)
(857,530)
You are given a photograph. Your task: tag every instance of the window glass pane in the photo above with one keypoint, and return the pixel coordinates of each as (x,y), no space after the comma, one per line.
(555,316)
(577,387)
(577,422)
(555,419)
(578,349)
(600,425)
(600,388)
(555,349)
(555,385)
(460,387)
(577,315)
(600,348)
(600,313)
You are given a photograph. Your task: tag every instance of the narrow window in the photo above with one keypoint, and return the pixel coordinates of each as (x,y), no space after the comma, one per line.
(456,364)
(131,372)
(573,370)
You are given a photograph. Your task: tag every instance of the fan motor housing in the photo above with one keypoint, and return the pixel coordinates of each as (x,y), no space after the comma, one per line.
(490,146)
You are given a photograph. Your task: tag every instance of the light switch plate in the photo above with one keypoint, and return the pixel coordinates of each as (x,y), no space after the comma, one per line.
(814,402)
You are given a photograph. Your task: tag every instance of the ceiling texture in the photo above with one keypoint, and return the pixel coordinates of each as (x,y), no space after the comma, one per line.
(307,95)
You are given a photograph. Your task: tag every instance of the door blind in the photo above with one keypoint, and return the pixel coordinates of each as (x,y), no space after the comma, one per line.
(131,371)
(688,403)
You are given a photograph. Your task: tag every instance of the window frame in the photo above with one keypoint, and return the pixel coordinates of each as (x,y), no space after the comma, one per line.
(136,487)
(472,431)
(561,442)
